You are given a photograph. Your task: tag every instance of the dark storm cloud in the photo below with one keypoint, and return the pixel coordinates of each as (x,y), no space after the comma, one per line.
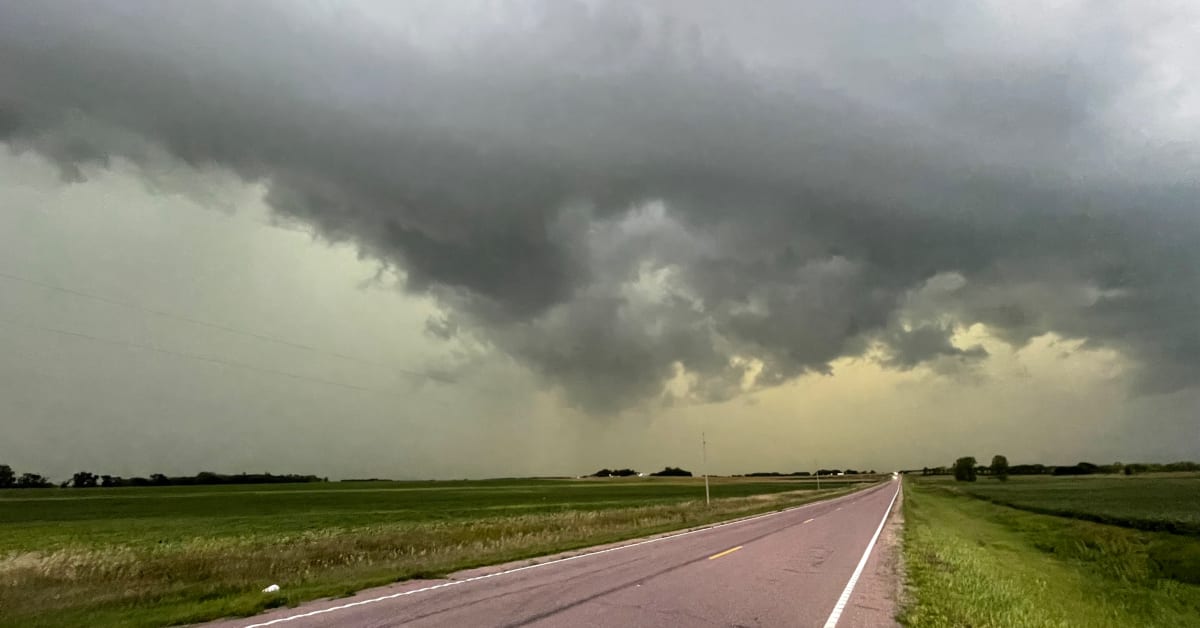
(613,193)
(914,346)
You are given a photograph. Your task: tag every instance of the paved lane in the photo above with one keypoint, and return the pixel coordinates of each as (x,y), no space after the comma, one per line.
(782,569)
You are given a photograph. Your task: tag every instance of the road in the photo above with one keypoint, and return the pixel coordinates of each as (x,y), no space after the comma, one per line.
(782,569)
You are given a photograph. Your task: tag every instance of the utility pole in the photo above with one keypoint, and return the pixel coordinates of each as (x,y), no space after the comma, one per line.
(818,475)
(704,453)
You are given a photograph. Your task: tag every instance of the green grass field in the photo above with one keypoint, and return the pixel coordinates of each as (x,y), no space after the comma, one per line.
(1146,502)
(157,556)
(972,562)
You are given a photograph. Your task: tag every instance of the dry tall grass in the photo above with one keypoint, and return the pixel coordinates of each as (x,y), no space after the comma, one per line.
(205,578)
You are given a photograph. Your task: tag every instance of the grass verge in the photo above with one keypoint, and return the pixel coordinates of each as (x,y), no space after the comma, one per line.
(975,563)
(203,578)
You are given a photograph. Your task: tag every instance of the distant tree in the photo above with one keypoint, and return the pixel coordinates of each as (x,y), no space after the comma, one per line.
(1082,468)
(116,480)
(1128,469)
(872,471)
(33,480)
(1000,467)
(7,477)
(851,472)
(159,479)
(84,479)
(1116,467)
(207,477)
(964,469)
(672,472)
(1028,469)
(614,473)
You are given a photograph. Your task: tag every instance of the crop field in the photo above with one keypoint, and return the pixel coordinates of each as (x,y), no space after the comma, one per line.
(1146,502)
(974,562)
(182,554)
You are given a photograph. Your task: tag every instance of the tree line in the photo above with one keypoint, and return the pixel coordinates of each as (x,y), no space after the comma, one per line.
(675,471)
(611,473)
(10,479)
(967,469)
(621,473)
(805,474)
(87,479)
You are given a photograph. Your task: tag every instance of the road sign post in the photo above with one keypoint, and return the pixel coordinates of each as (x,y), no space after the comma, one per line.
(704,454)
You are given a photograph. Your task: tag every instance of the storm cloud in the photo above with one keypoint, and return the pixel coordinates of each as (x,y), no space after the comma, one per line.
(631,198)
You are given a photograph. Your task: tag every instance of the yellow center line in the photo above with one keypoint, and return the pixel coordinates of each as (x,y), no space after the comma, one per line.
(728,551)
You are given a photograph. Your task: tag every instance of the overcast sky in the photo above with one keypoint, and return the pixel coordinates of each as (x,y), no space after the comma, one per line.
(430,239)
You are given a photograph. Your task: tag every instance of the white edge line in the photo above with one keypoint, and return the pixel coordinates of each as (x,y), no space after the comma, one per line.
(841,603)
(443,585)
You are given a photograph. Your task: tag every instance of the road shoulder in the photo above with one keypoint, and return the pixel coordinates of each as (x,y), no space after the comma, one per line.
(878,596)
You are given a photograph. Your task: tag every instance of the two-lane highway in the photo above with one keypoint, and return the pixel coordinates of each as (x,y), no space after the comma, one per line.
(790,568)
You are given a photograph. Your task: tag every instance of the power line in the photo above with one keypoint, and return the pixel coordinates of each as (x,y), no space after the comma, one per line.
(178,317)
(441,379)
(205,358)
(218,326)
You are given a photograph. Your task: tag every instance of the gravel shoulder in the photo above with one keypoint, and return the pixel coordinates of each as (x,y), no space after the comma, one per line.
(878,596)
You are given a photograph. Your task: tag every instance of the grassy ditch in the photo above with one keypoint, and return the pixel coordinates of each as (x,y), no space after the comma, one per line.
(975,563)
(140,570)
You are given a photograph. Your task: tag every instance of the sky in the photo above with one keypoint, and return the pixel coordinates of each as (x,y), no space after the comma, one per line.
(495,238)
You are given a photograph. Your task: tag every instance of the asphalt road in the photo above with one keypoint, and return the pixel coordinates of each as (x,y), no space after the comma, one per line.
(783,569)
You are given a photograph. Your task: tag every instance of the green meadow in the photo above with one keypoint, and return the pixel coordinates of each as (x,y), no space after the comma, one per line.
(1033,552)
(1149,502)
